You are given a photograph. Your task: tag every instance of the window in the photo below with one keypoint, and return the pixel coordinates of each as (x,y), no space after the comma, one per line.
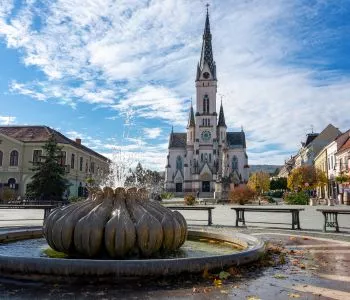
(1,155)
(208,122)
(92,167)
(81,164)
(86,167)
(340,164)
(203,122)
(62,159)
(201,156)
(234,163)
(191,136)
(206,104)
(178,163)
(72,161)
(36,156)
(14,158)
(209,157)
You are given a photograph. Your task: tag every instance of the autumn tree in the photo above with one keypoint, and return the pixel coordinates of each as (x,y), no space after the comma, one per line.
(259,182)
(305,178)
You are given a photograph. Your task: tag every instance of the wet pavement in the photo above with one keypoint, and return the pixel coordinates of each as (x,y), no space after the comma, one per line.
(307,265)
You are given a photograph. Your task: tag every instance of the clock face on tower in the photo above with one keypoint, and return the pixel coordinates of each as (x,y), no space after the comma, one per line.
(206,135)
(206,75)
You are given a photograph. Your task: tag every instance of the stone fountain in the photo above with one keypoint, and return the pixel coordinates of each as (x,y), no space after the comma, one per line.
(116,223)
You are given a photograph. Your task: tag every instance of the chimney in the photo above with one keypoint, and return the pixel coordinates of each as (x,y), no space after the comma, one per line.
(78,141)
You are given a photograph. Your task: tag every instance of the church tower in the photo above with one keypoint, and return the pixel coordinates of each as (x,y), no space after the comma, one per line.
(206,88)
(206,152)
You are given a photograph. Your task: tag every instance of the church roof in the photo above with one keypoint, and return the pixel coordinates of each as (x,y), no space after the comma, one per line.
(191,121)
(207,51)
(222,117)
(177,140)
(235,139)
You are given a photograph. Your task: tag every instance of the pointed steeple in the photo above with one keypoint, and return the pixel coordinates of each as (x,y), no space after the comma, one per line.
(191,121)
(207,51)
(222,117)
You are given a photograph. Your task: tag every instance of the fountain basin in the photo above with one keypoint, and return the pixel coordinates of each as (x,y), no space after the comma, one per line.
(42,268)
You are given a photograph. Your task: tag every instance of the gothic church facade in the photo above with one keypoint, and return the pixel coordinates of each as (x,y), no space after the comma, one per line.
(207,152)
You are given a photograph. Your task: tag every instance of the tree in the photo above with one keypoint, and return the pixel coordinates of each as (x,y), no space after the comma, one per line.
(48,182)
(140,177)
(259,182)
(278,184)
(303,178)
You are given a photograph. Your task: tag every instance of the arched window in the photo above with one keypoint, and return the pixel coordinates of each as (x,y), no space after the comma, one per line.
(201,156)
(234,163)
(14,158)
(178,163)
(1,155)
(12,183)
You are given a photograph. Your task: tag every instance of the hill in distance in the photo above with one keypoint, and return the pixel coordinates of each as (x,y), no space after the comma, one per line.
(264,168)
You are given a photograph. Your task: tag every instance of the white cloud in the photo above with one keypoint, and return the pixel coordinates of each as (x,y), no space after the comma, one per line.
(7,120)
(139,58)
(152,133)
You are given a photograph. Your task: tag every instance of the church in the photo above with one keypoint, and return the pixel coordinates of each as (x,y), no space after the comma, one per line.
(207,153)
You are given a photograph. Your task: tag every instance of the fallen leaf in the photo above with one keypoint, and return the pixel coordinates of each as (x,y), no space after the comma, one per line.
(206,274)
(253,298)
(195,290)
(292,295)
(224,292)
(280,276)
(224,275)
(292,238)
(217,282)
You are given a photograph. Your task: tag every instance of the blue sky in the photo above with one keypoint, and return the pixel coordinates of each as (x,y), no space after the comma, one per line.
(119,74)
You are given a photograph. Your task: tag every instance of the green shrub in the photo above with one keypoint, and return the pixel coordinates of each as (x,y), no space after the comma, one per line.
(190,199)
(296,198)
(167,195)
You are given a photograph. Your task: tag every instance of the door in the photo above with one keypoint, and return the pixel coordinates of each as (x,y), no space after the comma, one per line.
(206,186)
(178,187)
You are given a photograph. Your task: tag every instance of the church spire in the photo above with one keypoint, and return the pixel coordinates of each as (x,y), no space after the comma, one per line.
(222,117)
(191,122)
(207,51)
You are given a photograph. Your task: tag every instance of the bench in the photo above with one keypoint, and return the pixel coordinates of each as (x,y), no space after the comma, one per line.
(331,217)
(207,208)
(240,210)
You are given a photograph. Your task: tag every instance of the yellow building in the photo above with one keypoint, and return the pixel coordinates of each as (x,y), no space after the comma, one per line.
(320,163)
(20,146)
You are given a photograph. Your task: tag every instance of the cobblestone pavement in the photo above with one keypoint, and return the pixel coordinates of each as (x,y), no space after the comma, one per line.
(311,265)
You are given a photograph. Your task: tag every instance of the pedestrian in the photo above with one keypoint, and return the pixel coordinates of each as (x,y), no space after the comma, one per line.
(197,195)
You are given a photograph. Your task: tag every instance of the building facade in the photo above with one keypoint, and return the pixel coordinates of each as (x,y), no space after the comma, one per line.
(21,146)
(207,152)
(321,164)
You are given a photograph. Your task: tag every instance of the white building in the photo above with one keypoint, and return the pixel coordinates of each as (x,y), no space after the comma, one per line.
(206,152)
(21,147)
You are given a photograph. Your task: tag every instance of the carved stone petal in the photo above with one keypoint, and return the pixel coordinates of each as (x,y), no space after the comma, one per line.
(120,233)
(89,231)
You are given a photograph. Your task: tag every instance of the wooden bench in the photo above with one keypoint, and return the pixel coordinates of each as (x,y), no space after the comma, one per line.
(207,208)
(331,217)
(240,210)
